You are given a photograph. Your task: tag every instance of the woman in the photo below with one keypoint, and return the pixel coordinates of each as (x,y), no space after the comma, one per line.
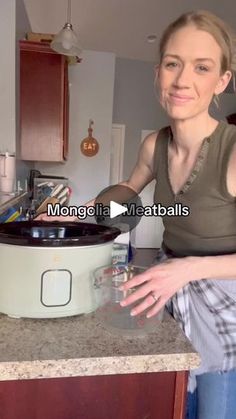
(194,162)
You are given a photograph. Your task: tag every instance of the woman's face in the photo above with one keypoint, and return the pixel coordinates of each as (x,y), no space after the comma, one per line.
(189,74)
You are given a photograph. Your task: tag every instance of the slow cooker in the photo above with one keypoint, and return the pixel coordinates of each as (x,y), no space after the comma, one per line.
(46,267)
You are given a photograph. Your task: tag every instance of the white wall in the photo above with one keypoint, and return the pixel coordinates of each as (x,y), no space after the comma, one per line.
(91,97)
(7,75)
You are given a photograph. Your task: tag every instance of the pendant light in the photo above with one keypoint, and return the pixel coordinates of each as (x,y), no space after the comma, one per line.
(66,41)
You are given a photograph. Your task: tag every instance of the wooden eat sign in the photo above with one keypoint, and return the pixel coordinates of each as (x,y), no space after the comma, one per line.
(89,146)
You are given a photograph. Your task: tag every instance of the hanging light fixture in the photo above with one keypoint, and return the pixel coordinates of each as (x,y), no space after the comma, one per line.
(66,41)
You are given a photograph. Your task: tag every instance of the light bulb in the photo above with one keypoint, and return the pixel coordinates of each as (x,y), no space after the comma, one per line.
(67,38)
(66,43)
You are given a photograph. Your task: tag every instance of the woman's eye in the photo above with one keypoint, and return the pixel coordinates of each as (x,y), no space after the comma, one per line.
(171,64)
(202,68)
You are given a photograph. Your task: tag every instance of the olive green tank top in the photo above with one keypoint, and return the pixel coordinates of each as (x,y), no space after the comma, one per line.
(210,227)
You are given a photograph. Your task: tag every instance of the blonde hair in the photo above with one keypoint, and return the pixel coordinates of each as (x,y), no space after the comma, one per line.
(215,26)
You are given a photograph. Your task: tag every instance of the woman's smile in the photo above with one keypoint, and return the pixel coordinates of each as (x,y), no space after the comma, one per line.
(177,99)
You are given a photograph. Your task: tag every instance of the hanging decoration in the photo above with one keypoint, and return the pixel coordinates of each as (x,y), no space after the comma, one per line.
(89,146)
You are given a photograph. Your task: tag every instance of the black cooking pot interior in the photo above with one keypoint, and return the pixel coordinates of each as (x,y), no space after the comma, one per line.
(56,234)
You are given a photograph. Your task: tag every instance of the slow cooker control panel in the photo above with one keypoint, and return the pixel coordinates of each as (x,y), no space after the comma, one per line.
(56,287)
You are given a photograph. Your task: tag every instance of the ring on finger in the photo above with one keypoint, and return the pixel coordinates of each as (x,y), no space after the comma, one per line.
(154,297)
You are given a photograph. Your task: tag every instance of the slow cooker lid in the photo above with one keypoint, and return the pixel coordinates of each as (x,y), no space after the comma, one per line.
(59,234)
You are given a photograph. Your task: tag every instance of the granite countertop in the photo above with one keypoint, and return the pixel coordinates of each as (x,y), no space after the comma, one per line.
(81,346)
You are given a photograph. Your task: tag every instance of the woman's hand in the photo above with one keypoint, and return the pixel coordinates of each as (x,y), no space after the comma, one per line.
(44,217)
(160,283)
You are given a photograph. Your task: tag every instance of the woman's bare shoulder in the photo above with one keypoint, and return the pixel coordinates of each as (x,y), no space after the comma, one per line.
(149,142)
(148,145)
(150,139)
(154,136)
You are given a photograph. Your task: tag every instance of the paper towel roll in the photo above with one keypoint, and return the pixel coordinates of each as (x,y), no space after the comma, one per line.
(7,172)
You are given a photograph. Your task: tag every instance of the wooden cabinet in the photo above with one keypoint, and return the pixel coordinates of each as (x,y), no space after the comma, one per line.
(130,396)
(44,103)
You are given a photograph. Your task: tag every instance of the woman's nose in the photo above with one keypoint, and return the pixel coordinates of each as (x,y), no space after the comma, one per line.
(183,77)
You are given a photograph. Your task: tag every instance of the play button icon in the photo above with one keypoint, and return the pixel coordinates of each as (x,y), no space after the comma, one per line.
(121,201)
(116,209)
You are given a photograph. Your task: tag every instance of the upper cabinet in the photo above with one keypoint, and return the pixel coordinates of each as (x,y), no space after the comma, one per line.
(44,103)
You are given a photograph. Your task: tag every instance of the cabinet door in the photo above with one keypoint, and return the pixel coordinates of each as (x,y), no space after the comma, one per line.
(130,396)
(43,103)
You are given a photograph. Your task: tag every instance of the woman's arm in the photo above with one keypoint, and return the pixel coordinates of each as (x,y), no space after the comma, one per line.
(143,172)
(141,175)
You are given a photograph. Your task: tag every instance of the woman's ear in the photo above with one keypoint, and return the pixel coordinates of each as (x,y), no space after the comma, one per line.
(156,69)
(156,72)
(223,82)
